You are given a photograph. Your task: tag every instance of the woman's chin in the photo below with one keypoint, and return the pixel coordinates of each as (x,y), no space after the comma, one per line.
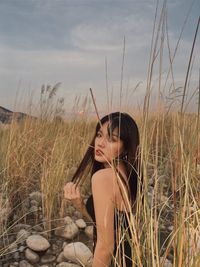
(99,159)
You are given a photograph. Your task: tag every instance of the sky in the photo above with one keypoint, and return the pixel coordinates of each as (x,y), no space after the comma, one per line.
(80,44)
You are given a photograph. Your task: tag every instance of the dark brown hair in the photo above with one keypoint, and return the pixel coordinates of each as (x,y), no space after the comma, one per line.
(129,134)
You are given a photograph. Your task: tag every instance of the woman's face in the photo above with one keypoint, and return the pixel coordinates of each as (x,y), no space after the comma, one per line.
(106,147)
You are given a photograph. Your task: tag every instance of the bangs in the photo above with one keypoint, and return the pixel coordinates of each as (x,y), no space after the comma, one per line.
(112,125)
(115,120)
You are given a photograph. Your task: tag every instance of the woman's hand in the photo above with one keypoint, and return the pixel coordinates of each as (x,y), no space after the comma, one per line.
(72,193)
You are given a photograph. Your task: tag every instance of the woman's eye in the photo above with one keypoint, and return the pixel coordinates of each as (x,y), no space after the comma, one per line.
(98,135)
(111,139)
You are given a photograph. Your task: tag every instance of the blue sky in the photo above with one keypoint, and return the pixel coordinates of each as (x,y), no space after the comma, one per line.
(67,41)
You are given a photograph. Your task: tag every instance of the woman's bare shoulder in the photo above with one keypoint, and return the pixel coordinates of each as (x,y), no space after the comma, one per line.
(104,175)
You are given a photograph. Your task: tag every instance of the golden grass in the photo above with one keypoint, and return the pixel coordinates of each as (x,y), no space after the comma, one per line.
(38,155)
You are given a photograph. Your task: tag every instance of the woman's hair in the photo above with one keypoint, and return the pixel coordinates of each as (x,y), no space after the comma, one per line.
(129,134)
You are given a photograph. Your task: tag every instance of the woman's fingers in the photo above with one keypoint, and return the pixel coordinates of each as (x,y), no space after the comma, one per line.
(71,191)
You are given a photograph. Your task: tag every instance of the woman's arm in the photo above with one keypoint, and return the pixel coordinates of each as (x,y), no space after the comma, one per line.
(102,190)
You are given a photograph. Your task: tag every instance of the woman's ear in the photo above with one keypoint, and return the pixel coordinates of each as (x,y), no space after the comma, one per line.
(123,155)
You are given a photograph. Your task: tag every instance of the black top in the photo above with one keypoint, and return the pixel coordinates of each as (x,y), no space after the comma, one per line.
(123,252)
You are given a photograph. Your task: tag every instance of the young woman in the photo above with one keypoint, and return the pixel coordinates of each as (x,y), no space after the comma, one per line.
(112,160)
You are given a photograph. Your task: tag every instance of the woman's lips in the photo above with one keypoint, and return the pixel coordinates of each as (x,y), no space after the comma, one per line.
(99,152)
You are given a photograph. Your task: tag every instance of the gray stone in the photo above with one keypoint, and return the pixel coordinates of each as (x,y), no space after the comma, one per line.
(25,263)
(60,257)
(77,214)
(80,223)
(16,255)
(70,229)
(31,256)
(47,259)
(67,264)
(38,228)
(22,235)
(26,205)
(79,253)
(37,196)
(64,244)
(22,248)
(55,248)
(20,226)
(170,228)
(34,203)
(167,263)
(14,264)
(33,209)
(37,243)
(89,231)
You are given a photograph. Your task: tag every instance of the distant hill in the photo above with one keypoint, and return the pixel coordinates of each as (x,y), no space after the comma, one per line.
(6,115)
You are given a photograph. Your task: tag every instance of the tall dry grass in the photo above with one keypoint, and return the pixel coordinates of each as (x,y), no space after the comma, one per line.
(39,155)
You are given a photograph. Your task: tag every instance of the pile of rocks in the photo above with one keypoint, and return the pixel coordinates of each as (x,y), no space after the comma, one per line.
(31,247)
(26,245)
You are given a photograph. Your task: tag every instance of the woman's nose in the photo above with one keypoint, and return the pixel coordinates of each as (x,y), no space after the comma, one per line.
(102,142)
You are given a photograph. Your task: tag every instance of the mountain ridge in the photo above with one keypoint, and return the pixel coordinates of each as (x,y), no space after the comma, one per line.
(7,115)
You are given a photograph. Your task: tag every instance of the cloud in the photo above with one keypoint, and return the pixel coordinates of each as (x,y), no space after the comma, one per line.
(67,41)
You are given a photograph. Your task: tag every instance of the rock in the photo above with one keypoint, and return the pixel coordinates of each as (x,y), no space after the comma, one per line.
(170,228)
(31,256)
(16,255)
(70,210)
(70,229)
(48,258)
(151,181)
(37,243)
(33,209)
(22,248)
(38,228)
(20,226)
(78,253)
(80,223)
(89,231)
(60,257)
(67,264)
(22,235)
(64,244)
(77,214)
(25,263)
(37,196)
(14,264)
(25,205)
(34,203)
(55,249)
(167,263)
